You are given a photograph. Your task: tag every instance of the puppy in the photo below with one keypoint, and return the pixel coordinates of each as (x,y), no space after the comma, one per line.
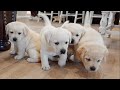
(91,49)
(77,32)
(54,43)
(24,40)
(57,18)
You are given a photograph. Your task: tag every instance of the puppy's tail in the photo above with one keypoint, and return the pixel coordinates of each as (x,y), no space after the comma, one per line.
(87,20)
(65,24)
(45,18)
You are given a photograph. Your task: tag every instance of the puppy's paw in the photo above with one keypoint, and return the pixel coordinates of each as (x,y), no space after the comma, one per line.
(46,67)
(72,57)
(12,52)
(31,60)
(18,57)
(61,63)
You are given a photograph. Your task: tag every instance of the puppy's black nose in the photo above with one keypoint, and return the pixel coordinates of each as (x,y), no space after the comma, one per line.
(92,68)
(72,41)
(62,51)
(14,39)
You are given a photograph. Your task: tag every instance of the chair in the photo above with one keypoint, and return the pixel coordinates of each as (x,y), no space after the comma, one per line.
(56,13)
(81,16)
(66,14)
(23,14)
(93,15)
(75,15)
(106,25)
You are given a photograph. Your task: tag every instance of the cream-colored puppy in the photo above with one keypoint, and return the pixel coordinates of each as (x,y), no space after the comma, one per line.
(77,32)
(24,40)
(57,18)
(54,43)
(91,49)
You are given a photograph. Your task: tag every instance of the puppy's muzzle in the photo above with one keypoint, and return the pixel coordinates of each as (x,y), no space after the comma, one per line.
(56,56)
(15,39)
(72,41)
(92,68)
(62,51)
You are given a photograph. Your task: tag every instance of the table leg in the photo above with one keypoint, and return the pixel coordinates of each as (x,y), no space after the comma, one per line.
(103,22)
(110,23)
(5,18)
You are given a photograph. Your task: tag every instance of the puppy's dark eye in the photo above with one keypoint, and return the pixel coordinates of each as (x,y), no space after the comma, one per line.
(56,43)
(98,60)
(88,59)
(77,35)
(19,33)
(66,42)
(11,32)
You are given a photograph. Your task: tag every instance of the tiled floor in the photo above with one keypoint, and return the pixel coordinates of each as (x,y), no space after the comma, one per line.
(10,68)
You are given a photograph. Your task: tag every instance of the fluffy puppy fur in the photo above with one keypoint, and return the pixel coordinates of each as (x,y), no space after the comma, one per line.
(54,43)
(24,40)
(91,49)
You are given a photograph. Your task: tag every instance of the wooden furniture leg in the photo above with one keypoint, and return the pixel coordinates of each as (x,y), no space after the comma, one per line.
(5,18)
(103,22)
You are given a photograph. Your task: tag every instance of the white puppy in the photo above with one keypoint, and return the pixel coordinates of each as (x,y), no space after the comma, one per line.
(76,30)
(91,49)
(24,40)
(54,43)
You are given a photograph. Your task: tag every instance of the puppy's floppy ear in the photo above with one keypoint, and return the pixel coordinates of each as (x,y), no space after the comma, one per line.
(70,36)
(106,52)
(25,30)
(83,33)
(80,53)
(48,36)
(7,29)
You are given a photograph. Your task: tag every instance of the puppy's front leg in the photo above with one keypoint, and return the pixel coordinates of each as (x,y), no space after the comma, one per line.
(14,49)
(62,60)
(75,57)
(44,61)
(34,55)
(21,52)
